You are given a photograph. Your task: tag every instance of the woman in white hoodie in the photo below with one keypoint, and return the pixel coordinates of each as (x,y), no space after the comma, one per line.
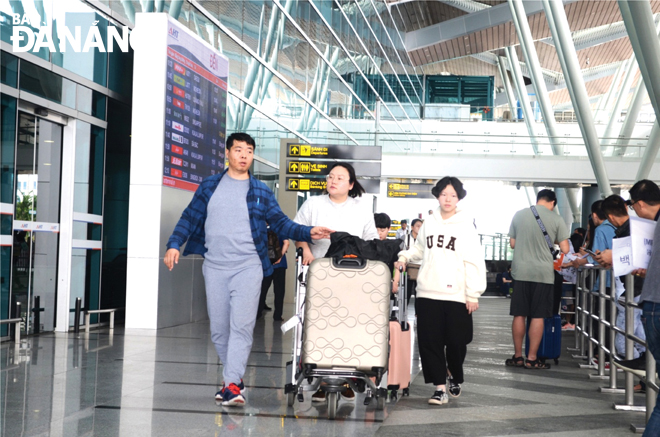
(451,278)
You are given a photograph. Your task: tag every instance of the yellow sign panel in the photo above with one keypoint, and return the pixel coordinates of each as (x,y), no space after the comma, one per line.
(307,150)
(402,194)
(296,184)
(307,167)
(397,187)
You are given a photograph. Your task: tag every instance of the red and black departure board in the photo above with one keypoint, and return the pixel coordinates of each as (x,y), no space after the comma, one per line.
(195,110)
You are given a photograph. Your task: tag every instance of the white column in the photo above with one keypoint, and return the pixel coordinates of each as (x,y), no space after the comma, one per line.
(147,151)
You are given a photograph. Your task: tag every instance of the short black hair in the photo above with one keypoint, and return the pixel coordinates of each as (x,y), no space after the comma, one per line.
(449,180)
(547,195)
(239,136)
(404,222)
(580,231)
(647,191)
(357,189)
(414,222)
(382,220)
(597,208)
(614,205)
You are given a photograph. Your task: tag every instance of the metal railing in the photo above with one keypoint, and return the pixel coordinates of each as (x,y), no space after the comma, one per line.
(593,321)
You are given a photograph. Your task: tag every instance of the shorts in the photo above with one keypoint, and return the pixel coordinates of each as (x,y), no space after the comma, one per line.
(532,299)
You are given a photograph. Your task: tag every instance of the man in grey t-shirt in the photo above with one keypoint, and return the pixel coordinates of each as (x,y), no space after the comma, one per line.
(533,271)
(226,223)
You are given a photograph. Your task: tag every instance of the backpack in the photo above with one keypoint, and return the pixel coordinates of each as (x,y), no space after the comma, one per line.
(274,248)
(343,244)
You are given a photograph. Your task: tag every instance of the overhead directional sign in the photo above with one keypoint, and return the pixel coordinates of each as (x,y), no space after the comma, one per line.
(334,151)
(322,168)
(412,191)
(371,186)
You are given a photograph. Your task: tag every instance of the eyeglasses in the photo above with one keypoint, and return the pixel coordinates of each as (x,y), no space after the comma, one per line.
(630,204)
(333,178)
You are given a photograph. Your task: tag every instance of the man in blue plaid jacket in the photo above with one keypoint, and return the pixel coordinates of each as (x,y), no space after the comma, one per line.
(226,223)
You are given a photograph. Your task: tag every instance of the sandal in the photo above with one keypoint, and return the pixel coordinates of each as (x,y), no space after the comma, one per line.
(515,361)
(536,364)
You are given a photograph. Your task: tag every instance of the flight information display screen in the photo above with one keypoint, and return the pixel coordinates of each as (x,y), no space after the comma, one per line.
(195,110)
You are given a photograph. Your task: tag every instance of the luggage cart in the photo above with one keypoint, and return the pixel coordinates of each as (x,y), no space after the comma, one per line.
(308,377)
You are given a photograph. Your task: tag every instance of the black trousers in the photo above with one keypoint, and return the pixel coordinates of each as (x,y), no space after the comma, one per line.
(278,279)
(411,286)
(444,329)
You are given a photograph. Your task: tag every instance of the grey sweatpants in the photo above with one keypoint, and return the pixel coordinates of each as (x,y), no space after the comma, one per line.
(232,299)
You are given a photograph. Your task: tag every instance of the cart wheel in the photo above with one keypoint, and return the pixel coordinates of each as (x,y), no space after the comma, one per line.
(556,361)
(380,405)
(394,395)
(332,404)
(406,391)
(290,399)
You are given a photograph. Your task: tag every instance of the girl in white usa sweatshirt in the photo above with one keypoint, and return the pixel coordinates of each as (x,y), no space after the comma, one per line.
(451,278)
(452,259)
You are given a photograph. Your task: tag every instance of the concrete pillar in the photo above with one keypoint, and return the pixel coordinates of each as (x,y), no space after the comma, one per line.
(589,196)
(564,207)
(288,201)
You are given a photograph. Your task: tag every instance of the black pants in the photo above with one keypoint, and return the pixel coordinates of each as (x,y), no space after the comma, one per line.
(278,279)
(411,285)
(444,330)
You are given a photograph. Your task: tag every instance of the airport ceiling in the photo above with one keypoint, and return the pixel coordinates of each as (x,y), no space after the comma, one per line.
(450,36)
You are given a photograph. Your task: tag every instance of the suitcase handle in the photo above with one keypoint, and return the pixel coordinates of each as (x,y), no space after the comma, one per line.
(350,263)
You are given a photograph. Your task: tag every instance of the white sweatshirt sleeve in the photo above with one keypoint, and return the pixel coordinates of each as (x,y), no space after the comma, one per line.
(475,268)
(369,231)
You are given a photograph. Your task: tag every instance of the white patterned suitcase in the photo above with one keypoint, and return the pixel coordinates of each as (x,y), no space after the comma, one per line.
(347,314)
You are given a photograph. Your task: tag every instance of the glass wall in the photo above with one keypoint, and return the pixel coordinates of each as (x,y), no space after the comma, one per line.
(7,153)
(320,51)
(36,220)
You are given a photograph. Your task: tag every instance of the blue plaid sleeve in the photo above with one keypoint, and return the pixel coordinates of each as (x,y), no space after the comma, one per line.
(191,224)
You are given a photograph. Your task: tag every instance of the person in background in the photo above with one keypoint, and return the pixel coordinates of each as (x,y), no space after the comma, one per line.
(404,231)
(278,278)
(341,209)
(451,279)
(533,271)
(226,223)
(645,201)
(507,283)
(602,242)
(616,210)
(383,225)
(411,239)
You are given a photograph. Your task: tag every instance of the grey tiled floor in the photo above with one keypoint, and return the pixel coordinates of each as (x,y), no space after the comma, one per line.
(142,383)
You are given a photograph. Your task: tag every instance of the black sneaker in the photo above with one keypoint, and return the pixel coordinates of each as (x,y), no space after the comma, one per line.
(454,388)
(439,398)
(636,364)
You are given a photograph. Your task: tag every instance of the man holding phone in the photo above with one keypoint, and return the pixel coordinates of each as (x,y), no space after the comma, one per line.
(605,232)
